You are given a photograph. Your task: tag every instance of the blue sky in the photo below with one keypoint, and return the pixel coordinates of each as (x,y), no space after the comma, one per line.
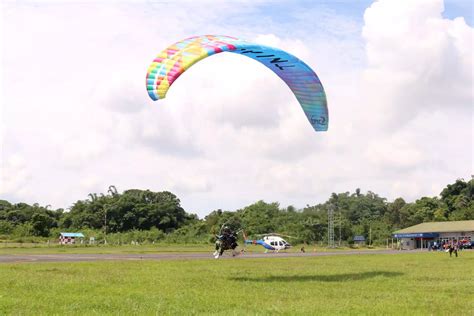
(282,11)
(456,8)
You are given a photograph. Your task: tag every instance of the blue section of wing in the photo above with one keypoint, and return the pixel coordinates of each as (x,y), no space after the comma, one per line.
(299,77)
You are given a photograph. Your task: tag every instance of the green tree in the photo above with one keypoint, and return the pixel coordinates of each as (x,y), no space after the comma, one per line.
(41,224)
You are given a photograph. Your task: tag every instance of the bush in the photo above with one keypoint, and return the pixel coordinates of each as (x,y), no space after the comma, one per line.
(6,227)
(22,230)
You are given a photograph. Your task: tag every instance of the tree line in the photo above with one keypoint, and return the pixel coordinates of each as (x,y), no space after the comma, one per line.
(143,215)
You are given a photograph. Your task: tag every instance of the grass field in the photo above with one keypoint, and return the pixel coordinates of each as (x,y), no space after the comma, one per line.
(428,283)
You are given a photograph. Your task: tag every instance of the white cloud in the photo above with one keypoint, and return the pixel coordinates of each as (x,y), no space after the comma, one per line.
(417,60)
(192,185)
(15,175)
(230,132)
(419,90)
(395,154)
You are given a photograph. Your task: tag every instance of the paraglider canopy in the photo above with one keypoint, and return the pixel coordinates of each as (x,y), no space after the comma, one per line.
(301,79)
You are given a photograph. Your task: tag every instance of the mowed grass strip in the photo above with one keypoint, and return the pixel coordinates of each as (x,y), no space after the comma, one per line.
(428,283)
(21,249)
(9,249)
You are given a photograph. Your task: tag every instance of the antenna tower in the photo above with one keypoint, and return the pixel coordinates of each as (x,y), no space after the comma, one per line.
(331,226)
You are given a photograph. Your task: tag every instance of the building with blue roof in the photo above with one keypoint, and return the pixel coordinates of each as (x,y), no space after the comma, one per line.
(359,240)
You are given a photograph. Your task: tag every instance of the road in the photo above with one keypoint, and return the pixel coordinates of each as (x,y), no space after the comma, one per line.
(176,256)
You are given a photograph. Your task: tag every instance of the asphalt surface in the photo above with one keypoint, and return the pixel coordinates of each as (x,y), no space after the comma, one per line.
(176,256)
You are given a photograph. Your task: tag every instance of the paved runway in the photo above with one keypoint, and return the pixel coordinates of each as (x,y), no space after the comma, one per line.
(176,256)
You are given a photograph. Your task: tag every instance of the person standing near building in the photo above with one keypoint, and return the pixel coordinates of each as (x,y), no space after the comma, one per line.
(453,247)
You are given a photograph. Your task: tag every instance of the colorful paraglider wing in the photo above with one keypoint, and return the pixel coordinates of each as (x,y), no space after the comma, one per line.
(301,79)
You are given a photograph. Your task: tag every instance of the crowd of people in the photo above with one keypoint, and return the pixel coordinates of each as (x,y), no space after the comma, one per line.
(451,246)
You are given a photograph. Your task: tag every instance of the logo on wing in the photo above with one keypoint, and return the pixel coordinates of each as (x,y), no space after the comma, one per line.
(321,120)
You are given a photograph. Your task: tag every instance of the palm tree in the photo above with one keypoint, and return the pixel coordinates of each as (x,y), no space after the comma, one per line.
(112,190)
(93,197)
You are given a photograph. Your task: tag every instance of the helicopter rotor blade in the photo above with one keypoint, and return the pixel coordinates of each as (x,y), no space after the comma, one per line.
(275,234)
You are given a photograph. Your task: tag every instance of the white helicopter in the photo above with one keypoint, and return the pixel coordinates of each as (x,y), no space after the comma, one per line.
(273,242)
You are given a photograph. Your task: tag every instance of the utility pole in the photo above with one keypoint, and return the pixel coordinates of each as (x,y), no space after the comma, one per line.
(370,236)
(105,226)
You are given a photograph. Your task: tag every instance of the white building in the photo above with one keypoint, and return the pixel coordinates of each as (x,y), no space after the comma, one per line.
(426,234)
